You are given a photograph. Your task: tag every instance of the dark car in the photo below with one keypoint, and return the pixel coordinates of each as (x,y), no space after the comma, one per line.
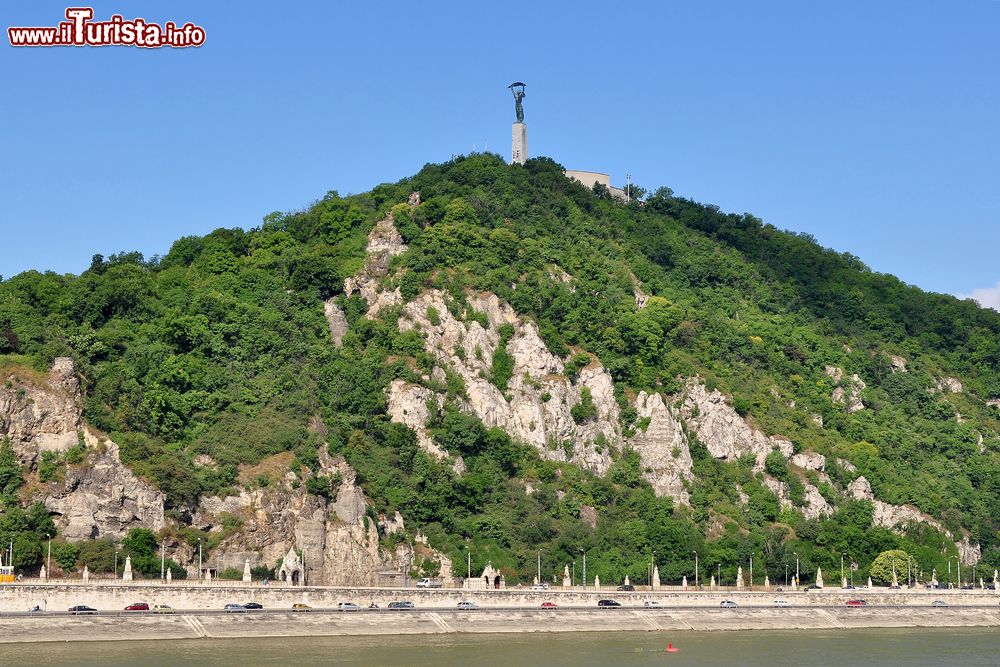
(137,606)
(82,609)
(401,604)
(253,606)
(608,603)
(233,608)
(626,587)
(814,587)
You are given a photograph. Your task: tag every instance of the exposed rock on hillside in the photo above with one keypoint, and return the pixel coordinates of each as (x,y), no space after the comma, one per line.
(895,517)
(41,415)
(848,391)
(408,405)
(336,320)
(100,497)
(384,243)
(340,542)
(720,428)
(663,447)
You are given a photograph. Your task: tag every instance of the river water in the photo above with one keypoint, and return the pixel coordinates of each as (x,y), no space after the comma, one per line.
(882,648)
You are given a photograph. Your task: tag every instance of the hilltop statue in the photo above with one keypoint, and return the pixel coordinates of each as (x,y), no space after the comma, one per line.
(517,89)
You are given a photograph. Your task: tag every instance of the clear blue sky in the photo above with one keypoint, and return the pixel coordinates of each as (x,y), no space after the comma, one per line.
(871,125)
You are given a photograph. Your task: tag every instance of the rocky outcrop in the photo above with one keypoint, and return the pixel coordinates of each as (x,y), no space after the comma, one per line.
(339,541)
(536,406)
(898,363)
(98,497)
(949,385)
(848,390)
(809,461)
(384,243)
(896,517)
(336,321)
(720,428)
(102,497)
(39,414)
(407,405)
(663,448)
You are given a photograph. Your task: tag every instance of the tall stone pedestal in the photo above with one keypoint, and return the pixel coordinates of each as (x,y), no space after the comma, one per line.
(519,143)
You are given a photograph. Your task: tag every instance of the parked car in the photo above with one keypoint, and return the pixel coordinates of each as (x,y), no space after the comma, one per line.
(857,603)
(253,606)
(162,609)
(401,604)
(849,587)
(540,587)
(727,604)
(781,602)
(233,608)
(301,606)
(939,603)
(814,587)
(549,605)
(82,609)
(467,605)
(652,604)
(608,603)
(626,587)
(138,606)
(348,606)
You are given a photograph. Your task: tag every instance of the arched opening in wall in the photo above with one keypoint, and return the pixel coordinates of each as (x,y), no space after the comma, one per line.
(295,578)
(284,576)
(486,580)
(496,582)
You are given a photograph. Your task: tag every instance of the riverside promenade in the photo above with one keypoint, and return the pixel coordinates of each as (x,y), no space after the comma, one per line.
(198,611)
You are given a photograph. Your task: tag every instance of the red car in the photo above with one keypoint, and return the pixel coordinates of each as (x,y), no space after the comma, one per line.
(857,603)
(549,605)
(137,606)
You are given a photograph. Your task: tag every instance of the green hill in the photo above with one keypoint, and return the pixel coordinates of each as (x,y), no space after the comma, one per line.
(221,349)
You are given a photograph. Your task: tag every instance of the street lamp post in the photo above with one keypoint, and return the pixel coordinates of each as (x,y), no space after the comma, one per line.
(796,554)
(695,569)
(116,560)
(786,573)
(163,560)
(539,575)
(574,573)
(842,568)
(199,560)
(48,561)
(584,568)
(719,570)
(751,570)
(468,561)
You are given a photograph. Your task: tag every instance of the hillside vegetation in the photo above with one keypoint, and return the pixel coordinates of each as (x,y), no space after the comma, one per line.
(220,348)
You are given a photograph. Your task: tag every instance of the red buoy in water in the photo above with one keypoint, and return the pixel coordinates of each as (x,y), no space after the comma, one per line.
(671,648)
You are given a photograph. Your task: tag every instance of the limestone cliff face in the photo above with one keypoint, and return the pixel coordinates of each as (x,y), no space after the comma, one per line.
(41,415)
(721,429)
(663,447)
(99,497)
(895,517)
(536,408)
(102,497)
(339,541)
(384,243)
